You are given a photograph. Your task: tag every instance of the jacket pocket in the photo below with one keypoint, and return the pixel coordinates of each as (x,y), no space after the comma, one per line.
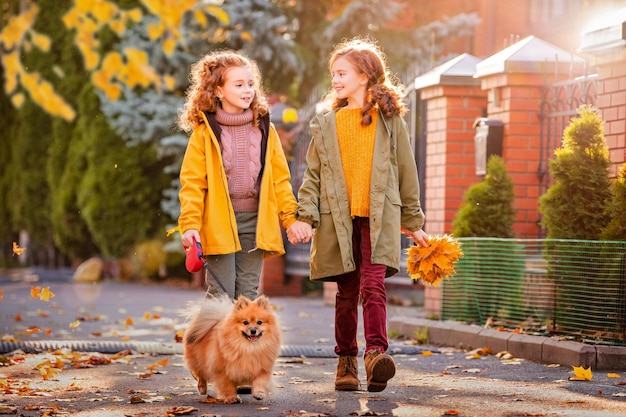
(393,196)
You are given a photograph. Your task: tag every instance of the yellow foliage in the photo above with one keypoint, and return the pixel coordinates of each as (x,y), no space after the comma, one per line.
(135,15)
(41,41)
(86,18)
(103,11)
(169,45)
(218,13)
(12,66)
(17,100)
(246,36)
(433,263)
(170,82)
(155,30)
(201,18)
(17,26)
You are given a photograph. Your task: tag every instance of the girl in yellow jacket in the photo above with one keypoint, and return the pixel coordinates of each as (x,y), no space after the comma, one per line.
(235,183)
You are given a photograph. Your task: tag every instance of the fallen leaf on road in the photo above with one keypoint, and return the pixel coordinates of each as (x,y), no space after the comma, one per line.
(611,375)
(581,374)
(504,355)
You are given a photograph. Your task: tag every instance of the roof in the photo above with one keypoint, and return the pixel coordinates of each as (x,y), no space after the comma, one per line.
(530,55)
(607,33)
(457,71)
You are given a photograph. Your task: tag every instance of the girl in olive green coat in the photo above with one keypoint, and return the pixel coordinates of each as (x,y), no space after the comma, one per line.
(359,190)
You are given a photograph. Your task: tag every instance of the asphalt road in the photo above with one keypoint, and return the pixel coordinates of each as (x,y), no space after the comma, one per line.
(430,380)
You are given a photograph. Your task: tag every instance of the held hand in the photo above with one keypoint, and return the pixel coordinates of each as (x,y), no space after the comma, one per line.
(420,237)
(299,232)
(187,237)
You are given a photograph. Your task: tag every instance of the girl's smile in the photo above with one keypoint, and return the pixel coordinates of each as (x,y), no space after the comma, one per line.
(348,83)
(237,93)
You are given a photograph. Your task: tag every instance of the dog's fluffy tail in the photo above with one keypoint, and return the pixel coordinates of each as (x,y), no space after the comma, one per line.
(204,315)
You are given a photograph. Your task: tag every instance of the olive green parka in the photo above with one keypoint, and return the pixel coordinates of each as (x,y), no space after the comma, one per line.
(323,199)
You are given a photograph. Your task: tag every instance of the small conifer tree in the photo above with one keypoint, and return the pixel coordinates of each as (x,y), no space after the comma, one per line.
(574,206)
(488,207)
(616,210)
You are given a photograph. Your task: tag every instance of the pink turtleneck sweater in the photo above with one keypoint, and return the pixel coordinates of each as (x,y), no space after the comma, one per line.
(241,153)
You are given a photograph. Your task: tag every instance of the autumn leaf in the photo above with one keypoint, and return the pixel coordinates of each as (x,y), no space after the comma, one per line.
(581,374)
(46,294)
(180,410)
(129,321)
(17,249)
(74,324)
(611,375)
(41,294)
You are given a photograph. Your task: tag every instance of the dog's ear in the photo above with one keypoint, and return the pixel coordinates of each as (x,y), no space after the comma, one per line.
(241,302)
(263,302)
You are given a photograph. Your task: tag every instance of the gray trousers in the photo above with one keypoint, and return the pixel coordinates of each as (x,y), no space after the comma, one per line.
(240,272)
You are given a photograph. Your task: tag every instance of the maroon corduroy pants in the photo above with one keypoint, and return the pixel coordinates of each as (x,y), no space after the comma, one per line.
(368,281)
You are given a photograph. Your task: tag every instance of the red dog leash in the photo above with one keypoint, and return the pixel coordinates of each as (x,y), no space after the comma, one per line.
(194,262)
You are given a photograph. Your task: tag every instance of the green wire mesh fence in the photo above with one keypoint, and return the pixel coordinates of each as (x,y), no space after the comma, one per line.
(575,289)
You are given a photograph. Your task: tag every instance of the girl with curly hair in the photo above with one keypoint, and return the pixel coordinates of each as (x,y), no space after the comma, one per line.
(235,182)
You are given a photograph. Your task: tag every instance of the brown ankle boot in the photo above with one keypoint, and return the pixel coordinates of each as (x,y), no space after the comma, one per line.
(347,374)
(380,368)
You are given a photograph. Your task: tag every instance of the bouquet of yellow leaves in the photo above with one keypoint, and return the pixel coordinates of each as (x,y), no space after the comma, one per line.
(435,262)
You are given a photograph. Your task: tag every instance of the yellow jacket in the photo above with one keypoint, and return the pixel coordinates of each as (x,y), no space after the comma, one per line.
(205,202)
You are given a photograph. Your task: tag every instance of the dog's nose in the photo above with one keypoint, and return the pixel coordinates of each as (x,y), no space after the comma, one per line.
(253,331)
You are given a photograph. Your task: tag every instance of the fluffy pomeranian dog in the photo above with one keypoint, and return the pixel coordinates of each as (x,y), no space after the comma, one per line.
(232,345)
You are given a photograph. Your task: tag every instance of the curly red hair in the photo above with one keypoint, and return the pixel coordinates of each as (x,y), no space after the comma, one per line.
(206,75)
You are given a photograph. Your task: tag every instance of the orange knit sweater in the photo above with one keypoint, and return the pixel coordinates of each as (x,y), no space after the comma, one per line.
(356,146)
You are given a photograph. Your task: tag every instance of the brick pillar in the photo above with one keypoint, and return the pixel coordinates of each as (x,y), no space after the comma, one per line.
(611,101)
(514,99)
(450,161)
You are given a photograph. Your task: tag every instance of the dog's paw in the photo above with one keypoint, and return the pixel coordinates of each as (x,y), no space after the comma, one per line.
(259,395)
(202,388)
(232,400)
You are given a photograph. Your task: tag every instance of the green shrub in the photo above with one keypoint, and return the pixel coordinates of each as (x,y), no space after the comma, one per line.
(574,206)
(616,209)
(488,207)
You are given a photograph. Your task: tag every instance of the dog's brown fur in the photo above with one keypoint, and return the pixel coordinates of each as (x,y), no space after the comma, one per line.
(232,345)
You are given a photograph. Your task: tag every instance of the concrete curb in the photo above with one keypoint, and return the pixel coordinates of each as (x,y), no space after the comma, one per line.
(535,348)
